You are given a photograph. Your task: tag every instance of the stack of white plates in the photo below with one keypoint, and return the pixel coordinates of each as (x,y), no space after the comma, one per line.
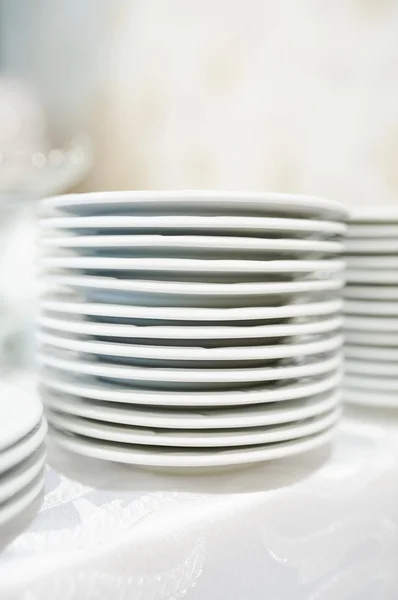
(371,307)
(190,329)
(22,452)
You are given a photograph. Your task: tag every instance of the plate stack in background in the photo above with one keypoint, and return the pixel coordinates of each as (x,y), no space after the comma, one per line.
(371,307)
(190,330)
(22,452)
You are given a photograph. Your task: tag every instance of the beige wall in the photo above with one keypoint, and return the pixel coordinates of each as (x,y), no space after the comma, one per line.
(290,95)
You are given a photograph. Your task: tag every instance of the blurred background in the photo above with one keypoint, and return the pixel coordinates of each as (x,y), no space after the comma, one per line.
(140,94)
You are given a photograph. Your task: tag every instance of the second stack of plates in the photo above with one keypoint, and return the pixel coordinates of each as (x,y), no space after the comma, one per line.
(191,329)
(371,307)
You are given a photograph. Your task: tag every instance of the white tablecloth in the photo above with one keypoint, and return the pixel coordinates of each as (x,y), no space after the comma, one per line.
(321,526)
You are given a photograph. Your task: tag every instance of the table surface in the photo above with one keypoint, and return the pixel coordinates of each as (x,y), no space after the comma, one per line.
(320,526)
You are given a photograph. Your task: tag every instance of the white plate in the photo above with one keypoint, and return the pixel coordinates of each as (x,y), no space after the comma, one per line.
(189,201)
(372,276)
(207,334)
(383,308)
(373,214)
(372,262)
(371,367)
(374,354)
(180,356)
(91,388)
(371,292)
(15,480)
(195,379)
(189,246)
(18,503)
(185,314)
(189,459)
(19,414)
(372,230)
(372,245)
(195,439)
(187,294)
(265,227)
(371,383)
(180,267)
(211,418)
(381,324)
(371,338)
(24,448)
(369,398)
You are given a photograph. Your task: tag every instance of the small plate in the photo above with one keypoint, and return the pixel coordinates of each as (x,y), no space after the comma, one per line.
(371,367)
(372,245)
(18,503)
(370,398)
(372,276)
(211,418)
(193,246)
(380,324)
(91,388)
(208,202)
(189,296)
(194,379)
(371,292)
(373,214)
(188,458)
(18,452)
(384,308)
(191,335)
(181,356)
(371,338)
(19,414)
(193,438)
(16,479)
(375,354)
(372,231)
(196,269)
(365,382)
(264,227)
(372,262)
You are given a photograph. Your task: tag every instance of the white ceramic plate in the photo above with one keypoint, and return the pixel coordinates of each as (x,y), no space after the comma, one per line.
(372,276)
(187,294)
(91,388)
(274,270)
(371,398)
(374,354)
(371,292)
(265,227)
(372,262)
(19,414)
(372,230)
(24,448)
(211,418)
(188,459)
(368,382)
(374,214)
(180,356)
(18,503)
(368,307)
(189,246)
(197,438)
(180,315)
(380,324)
(195,379)
(372,245)
(371,367)
(189,201)
(371,338)
(15,480)
(208,334)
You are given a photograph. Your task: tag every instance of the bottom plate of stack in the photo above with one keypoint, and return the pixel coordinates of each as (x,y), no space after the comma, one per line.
(22,452)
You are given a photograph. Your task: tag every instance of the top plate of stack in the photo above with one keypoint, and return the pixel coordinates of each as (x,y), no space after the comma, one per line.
(371,306)
(190,299)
